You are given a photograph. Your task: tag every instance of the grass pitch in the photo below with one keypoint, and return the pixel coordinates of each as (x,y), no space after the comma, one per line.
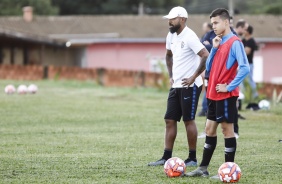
(78,132)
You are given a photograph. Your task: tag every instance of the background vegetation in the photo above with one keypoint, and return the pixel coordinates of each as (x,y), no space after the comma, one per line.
(94,7)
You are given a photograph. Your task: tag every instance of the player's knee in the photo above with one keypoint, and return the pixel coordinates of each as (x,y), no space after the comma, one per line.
(227,132)
(210,131)
(170,123)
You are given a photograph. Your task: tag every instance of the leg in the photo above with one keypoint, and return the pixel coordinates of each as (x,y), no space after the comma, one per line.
(189,101)
(236,126)
(210,144)
(204,106)
(191,133)
(252,82)
(227,127)
(173,114)
(170,134)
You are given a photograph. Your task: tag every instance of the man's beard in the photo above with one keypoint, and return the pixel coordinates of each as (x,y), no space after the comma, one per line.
(175,28)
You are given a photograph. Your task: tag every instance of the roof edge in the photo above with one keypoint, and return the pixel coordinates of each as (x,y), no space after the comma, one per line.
(268,40)
(115,40)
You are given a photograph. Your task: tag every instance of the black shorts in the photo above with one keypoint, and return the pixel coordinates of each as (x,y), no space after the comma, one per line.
(182,102)
(222,110)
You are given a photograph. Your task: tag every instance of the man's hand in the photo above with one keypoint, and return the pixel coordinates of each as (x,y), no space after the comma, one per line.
(206,42)
(216,41)
(188,81)
(221,88)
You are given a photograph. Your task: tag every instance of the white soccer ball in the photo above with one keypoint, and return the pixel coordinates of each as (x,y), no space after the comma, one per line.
(229,172)
(174,167)
(22,89)
(264,104)
(10,89)
(32,88)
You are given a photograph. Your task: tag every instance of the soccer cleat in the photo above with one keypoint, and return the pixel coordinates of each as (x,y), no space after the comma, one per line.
(190,163)
(203,135)
(199,172)
(157,163)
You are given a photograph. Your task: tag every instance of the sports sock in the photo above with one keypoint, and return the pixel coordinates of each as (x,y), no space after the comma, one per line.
(209,148)
(192,155)
(167,154)
(230,149)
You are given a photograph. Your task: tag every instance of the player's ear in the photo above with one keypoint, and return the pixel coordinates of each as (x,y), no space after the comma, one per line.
(226,21)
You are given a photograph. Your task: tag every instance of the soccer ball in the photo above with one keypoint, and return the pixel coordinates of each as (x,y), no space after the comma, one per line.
(174,167)
(264,104)
(32,88)
(229,172)
(22,89)
(10,89)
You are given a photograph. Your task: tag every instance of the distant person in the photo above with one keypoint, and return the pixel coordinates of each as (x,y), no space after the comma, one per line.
(207,27)
(240,27)
(250,47)
(228,66)
(183,55)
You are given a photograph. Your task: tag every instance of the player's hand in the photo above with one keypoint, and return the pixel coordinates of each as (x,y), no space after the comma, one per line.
(221,88)
(216,41)
(206,42)
(188,81)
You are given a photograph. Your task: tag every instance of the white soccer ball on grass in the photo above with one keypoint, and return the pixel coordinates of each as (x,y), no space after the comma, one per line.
(10,89)
(32,89)
(264,104)
(22,89)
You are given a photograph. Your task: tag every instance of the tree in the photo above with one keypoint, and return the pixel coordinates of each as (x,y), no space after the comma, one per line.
(14,7)
(72,7)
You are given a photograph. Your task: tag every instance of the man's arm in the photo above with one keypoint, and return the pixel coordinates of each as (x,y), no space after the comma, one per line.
(203,53)
(248,50)
(169,63)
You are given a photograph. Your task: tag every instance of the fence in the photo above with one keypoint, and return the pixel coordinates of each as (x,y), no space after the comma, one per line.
(105,77)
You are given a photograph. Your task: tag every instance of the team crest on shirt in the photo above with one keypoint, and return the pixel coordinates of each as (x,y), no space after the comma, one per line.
(182,44)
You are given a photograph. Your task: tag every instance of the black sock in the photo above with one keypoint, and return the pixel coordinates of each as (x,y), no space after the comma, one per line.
(209,148)
(230,149)
(192,155)
(167,154)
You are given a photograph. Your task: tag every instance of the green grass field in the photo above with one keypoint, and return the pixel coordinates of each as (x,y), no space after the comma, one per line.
(78,132)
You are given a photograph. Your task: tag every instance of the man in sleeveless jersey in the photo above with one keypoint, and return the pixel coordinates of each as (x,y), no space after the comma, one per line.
(185,58)
(227,55)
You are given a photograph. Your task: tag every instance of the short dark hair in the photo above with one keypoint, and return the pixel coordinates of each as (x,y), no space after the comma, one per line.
(250,29)
(240,23)
(221,12)
(209,26)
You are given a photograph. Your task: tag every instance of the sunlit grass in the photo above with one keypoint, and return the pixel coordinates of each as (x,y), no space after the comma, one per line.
(78,132)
